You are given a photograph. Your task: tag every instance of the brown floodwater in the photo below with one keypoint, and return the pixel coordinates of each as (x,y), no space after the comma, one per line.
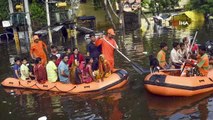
(132,102)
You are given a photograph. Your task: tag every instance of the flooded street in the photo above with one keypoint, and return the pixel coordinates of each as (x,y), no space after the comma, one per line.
(131,102)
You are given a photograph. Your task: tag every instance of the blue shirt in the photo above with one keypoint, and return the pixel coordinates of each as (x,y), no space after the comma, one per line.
(93,50)
(16,67)
(63,67)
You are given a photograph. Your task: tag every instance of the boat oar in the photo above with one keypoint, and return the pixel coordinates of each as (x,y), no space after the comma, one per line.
(137,67)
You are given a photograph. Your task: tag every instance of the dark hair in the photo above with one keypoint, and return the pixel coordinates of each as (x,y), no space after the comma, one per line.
(53,46)
(74,49)
(63,56)
(184,39)
(17,59)
(24,58)
(175,44)
(91,34)
(87,60)
(66,49)
(202,47)
(162,45)
(32,61)
(38,59)
(53,57)
(182,44)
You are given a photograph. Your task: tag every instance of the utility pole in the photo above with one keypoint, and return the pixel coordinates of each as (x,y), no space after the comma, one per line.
(48,21)
(15,33)
(26,6)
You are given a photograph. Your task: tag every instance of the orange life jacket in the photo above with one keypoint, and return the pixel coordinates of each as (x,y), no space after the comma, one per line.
(204,69)
(161,56)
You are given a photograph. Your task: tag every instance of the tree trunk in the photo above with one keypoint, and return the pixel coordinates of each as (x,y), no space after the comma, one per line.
(108,13)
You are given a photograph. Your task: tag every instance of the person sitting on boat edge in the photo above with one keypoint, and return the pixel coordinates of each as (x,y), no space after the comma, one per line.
(51,69)
(104,70)
(63,70)
(75,56)
(75,73)
(16,68)
(87,74)
(93,51)
(175,56)
(40,71)
(203,62)
(161,56)
(25,75)
(153,63)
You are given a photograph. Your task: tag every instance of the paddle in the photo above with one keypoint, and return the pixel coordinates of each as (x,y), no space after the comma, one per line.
(137,67)
(189,51)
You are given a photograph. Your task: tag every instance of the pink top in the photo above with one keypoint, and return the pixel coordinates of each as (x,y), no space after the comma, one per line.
(86,78)
(195,48)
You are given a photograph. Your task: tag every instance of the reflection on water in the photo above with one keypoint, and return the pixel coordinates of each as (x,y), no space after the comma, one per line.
(131,102)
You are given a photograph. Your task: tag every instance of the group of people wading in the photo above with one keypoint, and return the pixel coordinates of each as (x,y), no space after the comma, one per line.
(182,54)
(68,67)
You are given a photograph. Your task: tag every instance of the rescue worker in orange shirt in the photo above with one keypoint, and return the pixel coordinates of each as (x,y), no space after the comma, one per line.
(38,49)
(202,61)
(107,50)
(161,56)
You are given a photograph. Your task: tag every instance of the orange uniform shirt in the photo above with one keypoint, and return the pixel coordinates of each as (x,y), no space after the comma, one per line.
(37,50)
(161,56)
(203,65)
(107,50)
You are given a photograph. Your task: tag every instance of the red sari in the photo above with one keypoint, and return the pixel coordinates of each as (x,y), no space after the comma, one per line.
(40,73)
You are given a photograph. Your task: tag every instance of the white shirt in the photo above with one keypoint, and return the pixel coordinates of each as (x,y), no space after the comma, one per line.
(175,56)
(182,53)
(24,72)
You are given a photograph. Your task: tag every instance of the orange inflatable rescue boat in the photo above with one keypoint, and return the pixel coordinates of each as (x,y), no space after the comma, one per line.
(167,84)
(117,79)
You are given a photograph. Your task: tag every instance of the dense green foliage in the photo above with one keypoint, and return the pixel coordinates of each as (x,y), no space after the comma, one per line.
(204,6)
(38,14)
(159,6)
(4,15)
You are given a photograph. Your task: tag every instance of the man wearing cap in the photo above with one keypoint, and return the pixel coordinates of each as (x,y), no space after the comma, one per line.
(37,49)
(107,50)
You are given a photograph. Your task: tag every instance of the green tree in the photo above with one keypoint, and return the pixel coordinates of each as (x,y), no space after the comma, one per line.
(204,6)
(4,10)
(158,6)
(38,14)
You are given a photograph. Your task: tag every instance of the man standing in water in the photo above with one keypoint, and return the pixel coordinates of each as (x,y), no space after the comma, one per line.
(38,49)
(107,49)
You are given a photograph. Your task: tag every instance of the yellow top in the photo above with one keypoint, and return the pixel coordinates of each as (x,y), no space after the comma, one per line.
(24,72)
(51,71)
